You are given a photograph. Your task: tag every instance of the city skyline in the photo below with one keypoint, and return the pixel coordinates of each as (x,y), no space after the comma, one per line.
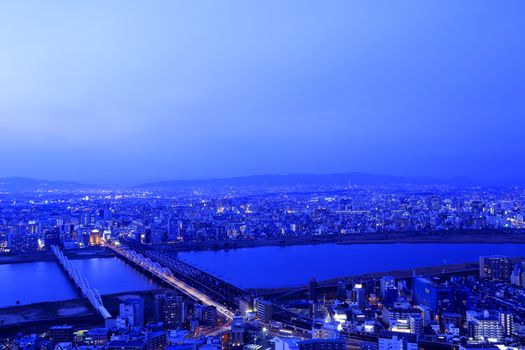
(248,175)
(175,91)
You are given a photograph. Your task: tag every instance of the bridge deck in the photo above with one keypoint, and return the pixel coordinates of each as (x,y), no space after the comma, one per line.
(201,286)
(166,275)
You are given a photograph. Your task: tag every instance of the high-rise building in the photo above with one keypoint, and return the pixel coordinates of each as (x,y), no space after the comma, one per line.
(159,303)
(85,218)
(245,305)
(517,276)
(132,311)
(174,311)
(312,291)
(94,237)
(391,295)
(341,290)
(263,310)
(506,320)
(357,295)
(237,332)
(428,293)
(484,326)
(385,283)
(495,268)
(209,316)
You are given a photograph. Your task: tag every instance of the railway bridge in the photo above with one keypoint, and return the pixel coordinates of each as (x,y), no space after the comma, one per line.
(166,275)
(203,286)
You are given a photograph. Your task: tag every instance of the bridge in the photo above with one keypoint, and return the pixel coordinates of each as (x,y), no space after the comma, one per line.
(218,289)
(81,282)
(166,275)
(213,288)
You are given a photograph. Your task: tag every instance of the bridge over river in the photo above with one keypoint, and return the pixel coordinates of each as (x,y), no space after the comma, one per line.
(81,282)
(165,274)
(202,286)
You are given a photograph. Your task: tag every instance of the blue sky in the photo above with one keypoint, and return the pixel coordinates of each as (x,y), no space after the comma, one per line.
(123,91)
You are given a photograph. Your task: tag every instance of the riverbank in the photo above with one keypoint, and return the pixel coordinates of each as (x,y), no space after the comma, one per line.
(27,258)
(46,255)
(470,236)
(471,268)
(39,317)
(33,316)
(89,252)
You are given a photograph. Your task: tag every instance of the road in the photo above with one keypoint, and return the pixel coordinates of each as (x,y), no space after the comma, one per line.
(162,273)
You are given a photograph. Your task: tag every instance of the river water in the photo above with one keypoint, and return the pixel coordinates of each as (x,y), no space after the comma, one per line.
(43,281)
(273,266)
(259,267)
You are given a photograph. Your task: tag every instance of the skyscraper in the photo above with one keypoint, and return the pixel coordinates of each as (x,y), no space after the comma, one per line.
(174,311)
(312,291)
(494,268)
(341,290)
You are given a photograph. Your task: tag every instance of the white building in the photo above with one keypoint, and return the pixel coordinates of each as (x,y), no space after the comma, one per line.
(396,341)
(484,326)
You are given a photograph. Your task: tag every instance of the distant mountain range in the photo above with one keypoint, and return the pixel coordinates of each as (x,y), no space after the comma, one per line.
(19,183)
(317,180)
(290,180)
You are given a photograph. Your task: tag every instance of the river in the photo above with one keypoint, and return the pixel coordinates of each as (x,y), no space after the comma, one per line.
(43,281)
(258,267)
(274,266)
